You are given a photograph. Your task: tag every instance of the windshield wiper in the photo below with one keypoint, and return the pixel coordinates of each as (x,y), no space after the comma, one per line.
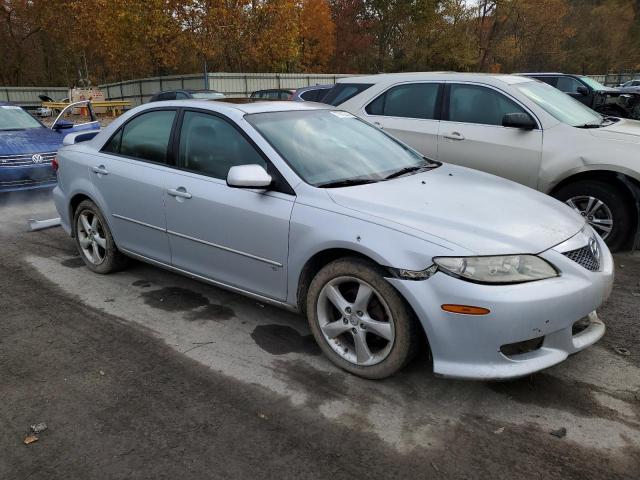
(349,182)
(406,170)
(589,125)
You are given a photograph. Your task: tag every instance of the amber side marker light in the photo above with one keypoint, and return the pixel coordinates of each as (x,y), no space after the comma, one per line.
(465,309)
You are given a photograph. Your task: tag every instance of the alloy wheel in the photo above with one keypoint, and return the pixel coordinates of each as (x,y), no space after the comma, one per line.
(597,213)
(91,237)
(355,321)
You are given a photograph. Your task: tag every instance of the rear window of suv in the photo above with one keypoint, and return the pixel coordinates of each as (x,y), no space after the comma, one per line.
(341,92)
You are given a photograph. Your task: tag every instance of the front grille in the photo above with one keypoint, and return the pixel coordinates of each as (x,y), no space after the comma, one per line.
(585,258)
(22,160)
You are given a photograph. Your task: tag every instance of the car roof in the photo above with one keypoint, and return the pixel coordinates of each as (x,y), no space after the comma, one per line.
(289,90)
(441,76)
(243,108)
(545,73)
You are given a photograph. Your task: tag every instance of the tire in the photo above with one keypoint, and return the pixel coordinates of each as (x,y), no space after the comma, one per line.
(96,236)
(619,207)
(385,321)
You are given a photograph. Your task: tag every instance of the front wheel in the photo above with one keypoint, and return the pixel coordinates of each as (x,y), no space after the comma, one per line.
(359,320)
(94,240)
(604,207)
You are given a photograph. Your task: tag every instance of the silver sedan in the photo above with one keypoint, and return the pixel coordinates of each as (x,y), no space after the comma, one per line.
(314,210)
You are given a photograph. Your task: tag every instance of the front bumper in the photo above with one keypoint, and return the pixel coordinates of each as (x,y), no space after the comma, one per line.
(543,312)
(26,177)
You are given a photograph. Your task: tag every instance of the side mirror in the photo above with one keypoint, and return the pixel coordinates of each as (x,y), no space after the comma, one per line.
(62,125)
(248,176)
(582,90)
(518,120)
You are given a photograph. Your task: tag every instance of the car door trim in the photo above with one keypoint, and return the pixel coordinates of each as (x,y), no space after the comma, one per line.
(226,249)
(138,222)
(197,240)
(216,283)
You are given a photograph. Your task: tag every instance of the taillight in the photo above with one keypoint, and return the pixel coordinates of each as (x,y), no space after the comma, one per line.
(54,164)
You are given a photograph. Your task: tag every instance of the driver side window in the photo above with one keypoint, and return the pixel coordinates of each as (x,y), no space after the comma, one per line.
(211,146)
(477,104)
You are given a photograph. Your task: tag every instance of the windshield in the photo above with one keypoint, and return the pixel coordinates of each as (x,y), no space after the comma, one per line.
(15,118)
(593,83)
(207,95)
(559,104)
(329,147)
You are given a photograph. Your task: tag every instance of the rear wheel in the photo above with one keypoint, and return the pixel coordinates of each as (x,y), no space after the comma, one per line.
(359,320)
(604,207)
(94,240)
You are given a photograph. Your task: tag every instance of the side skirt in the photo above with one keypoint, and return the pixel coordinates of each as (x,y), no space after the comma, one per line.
(215,283)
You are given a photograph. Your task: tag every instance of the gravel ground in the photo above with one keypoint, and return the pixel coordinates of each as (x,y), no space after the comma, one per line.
(145,374)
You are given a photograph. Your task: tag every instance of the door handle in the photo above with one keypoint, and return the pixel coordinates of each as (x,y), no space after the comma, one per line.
(180,192)
(101,170)
(377,124)
(454,136)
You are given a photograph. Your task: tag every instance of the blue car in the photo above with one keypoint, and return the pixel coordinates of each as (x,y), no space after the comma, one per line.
(28,148)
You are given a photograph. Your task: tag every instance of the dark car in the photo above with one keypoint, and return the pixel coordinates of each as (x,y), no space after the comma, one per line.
(274,94)
(28,148)
(186,94)
(605,100)
(314,93)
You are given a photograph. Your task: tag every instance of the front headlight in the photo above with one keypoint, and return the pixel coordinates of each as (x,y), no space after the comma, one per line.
(498,269)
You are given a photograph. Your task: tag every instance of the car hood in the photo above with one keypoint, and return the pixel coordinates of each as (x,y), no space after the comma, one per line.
(482,213)
(624,130)
(33,140)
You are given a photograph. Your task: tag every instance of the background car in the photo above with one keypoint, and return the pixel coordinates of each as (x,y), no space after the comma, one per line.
(186,94)
(314,93)
(274,94)
(517,128)
(28,148)
(630,83)
(602,99)
(326,215)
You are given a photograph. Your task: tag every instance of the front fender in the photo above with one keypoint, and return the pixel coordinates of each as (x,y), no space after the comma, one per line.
(314,230)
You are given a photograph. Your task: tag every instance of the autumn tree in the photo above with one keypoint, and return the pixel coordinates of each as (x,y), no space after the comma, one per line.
(317,36)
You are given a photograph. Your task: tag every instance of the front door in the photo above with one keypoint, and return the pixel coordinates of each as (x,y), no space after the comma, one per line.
(239,237)
(130,175)
(473,136)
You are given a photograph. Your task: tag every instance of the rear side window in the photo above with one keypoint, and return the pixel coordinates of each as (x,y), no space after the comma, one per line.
(548,80)
(167,96)
(568,84)
(211,146)
(414,100)
(341,92)
(310,95)
(476,104)
(181,96)
(145,137)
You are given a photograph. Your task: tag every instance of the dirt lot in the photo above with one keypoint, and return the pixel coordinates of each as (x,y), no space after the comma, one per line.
(145,374)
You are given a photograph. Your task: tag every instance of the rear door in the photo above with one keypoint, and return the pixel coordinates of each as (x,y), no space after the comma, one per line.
(130,174)
(411,113)
(239,237)
(471,134)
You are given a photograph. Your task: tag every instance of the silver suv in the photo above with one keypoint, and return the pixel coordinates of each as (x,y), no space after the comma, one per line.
(520,129)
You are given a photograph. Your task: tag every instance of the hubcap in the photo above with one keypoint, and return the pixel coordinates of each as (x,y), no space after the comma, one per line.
(355,321)
(597,213)
(91,237)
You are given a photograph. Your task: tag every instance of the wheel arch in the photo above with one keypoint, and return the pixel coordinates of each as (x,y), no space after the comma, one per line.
(628,185)
(316,262)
